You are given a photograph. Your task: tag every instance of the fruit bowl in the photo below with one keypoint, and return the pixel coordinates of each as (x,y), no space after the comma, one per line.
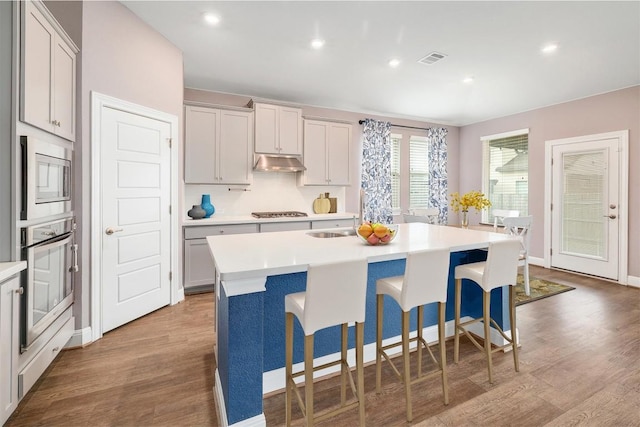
(377,234)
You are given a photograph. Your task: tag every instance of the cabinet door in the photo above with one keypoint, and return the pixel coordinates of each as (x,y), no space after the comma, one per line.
(202,131)
(236,142)
(290,131)
(9,342)
(338,153)
(266,128)
(315,153)
(199,269)
(37,49)
(64,90)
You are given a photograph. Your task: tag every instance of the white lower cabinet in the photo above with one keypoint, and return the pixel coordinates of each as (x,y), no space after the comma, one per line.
(41,361)
(284,226)
(199,270)
(9,346)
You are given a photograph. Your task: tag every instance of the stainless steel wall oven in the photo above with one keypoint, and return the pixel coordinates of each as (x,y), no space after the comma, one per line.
(46,179)
(52,258)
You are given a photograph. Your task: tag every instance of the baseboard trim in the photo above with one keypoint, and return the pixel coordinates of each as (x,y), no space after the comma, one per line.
(257,421)
(633,281)
(80,338)
(536,261)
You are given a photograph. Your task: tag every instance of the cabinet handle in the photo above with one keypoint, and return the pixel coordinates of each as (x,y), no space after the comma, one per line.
(20,290)
(54,349)
(221,231)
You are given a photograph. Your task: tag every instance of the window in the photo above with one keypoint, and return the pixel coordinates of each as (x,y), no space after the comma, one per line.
(418,173)
(395,172)
(506,172)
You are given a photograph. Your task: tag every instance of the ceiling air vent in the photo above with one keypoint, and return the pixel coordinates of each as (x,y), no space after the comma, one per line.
(432,58)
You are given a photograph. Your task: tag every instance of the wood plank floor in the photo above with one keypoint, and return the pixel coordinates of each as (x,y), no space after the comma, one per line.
(579,365)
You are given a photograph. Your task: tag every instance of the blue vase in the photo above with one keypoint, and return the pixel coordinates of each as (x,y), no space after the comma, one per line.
(207,206)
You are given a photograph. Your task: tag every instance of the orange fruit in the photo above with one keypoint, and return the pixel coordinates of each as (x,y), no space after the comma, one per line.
(381,230)
(365,230)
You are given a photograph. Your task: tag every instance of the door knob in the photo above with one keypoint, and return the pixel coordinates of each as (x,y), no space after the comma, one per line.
(612,216)
(110,230)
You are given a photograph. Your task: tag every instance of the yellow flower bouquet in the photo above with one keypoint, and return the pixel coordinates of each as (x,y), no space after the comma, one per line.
(472,199)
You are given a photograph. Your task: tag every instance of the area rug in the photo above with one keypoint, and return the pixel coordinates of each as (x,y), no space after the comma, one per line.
(539,289)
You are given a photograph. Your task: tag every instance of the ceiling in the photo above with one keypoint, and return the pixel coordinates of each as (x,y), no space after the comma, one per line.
(262,49)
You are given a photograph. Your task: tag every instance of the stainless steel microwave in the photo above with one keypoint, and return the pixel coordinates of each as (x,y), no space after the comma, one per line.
(46,179)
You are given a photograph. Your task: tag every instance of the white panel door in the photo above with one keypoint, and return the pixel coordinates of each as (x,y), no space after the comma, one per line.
(586,207)
(64,96)
(136,192)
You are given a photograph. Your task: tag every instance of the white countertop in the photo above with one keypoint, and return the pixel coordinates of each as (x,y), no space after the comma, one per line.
(248,219)
(8,269)
(252,256)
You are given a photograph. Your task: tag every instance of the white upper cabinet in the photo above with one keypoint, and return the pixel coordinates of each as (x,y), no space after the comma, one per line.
(278,129)
(48,73)
(218,146)
(327,148)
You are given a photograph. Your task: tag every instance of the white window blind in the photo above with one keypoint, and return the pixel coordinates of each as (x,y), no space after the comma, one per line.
(395,172)
(418,172)
(506,172)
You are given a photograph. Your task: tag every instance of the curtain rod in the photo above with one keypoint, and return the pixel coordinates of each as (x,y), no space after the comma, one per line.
(401,126)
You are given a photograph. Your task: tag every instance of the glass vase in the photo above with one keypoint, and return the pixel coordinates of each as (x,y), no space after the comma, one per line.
(465,219)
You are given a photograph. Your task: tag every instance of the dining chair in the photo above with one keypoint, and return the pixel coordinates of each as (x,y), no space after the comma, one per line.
(521,227)
(335,295)
(428,215)
(500,214)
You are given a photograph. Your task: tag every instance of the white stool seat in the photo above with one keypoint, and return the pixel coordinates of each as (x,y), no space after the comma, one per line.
(425,281)
(335,295)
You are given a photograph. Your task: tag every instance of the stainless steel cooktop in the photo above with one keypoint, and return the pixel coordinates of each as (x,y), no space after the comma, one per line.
(283,214)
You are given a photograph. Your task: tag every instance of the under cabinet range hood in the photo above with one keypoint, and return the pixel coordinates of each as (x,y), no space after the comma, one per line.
(278,163)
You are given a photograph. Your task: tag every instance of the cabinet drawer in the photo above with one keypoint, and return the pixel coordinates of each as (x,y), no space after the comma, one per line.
(43,359)
(216,230)
(332,223)
(284,226)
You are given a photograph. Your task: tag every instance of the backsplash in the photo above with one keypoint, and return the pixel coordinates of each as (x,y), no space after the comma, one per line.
(270,191)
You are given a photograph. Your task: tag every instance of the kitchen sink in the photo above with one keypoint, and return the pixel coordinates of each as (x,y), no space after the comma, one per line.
(331,234)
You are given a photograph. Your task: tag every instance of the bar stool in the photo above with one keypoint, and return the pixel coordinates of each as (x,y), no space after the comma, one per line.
(335,295)
(500,269)
(425,281)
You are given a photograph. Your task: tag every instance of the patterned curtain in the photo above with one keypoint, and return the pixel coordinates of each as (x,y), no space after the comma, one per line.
(438,172)
(376,171)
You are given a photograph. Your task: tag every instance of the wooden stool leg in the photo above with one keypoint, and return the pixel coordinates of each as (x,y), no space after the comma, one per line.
(486,299)
(379,321)
(288,364)
(512,319)
(360,369)
(308,378)
(405,356)
(420,322)
(443,351)
(343,368)
(456,336)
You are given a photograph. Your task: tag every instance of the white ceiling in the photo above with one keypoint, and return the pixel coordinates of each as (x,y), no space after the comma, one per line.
(262,49)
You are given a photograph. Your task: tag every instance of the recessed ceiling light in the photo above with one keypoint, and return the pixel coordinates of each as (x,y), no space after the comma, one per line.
(211,19)
(317,43)
(467,80)
(394,63)
(552,47)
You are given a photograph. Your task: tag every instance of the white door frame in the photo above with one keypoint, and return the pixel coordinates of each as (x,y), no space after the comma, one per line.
(623,213)
(98,102)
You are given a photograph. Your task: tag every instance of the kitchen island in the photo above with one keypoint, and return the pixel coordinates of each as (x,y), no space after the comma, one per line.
(255,272)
